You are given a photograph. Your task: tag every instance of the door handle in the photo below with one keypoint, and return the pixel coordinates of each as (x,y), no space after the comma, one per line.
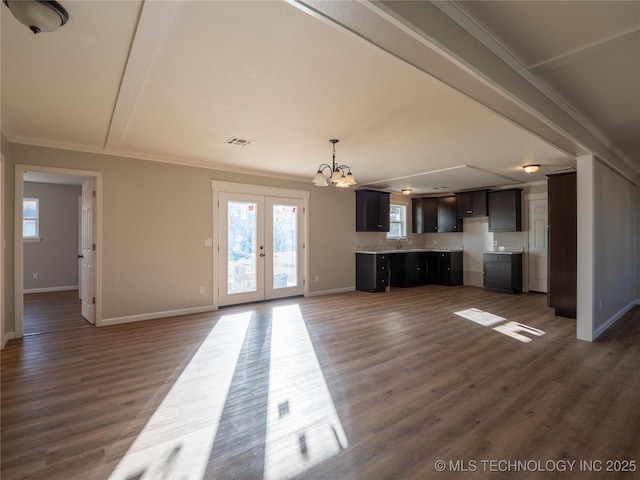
(262,254)
(80,256)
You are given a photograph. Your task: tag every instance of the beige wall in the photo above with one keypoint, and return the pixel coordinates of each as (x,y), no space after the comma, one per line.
(155,219)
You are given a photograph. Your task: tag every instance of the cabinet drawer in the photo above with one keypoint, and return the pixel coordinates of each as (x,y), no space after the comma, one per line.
(496,257)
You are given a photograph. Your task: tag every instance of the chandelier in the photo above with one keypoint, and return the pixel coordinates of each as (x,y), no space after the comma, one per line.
(336,174)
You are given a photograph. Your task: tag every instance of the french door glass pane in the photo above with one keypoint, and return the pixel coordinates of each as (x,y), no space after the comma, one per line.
(285,246)
(241,247)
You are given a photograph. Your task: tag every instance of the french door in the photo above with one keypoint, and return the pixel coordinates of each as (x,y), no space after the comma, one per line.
(260,247)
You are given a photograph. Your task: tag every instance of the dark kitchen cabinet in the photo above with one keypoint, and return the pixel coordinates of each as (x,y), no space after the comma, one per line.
(471,204)
(408,269)
(372,211)
(447,218)
(447,266)
(434,215)
(502,272)
(372,272)
(562,258)
(424,215)
(505,210)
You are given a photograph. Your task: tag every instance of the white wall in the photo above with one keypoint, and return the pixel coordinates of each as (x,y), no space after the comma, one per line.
(155,219)
(615,246)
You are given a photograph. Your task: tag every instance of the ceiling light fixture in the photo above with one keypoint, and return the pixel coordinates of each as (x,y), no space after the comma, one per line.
(531,168)
(337,172)
(406,191)
(38,15)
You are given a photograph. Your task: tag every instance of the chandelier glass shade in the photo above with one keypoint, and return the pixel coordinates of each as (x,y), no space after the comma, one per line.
(338,175)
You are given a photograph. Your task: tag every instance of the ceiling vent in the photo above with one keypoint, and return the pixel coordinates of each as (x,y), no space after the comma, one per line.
(243,142)
(439,188)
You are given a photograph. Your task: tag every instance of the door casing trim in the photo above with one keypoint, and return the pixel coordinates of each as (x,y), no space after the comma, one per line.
(20,170)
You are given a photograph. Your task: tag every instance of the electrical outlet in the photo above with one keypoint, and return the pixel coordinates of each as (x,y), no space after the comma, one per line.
(317,278)
(201,290)
(35,276)
(435,242)
(495,243)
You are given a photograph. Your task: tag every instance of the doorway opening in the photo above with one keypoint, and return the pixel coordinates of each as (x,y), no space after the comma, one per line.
(57,260)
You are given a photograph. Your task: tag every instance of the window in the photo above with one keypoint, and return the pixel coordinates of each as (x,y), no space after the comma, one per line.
(30,215)
(397,221)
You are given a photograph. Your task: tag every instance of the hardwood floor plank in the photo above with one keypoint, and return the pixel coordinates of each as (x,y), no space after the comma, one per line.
(411,382)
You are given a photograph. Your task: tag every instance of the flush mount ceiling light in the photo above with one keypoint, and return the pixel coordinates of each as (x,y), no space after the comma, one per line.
(531,168)
(406,191)
(336,173)
(38,15)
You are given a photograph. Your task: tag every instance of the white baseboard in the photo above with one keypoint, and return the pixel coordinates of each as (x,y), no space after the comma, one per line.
(614,319)
(156,315)
(7,337)
(51,289)
(330,292)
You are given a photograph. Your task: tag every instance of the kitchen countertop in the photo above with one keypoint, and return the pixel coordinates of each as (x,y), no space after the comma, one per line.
(408,250)
(502,252)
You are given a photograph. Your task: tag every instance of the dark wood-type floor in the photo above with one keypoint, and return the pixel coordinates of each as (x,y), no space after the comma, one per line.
(411,383)
(46,312)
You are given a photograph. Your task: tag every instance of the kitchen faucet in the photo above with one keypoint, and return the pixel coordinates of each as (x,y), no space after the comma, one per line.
(403,237)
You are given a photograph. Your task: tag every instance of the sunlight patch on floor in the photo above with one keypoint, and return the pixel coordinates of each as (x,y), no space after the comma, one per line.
(480,316)
(303,427)
(176,441)
(512,329)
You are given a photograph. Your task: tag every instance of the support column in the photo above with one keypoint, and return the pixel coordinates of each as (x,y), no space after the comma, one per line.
(585,247)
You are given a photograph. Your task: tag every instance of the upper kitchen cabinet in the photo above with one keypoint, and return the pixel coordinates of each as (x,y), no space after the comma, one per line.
(505,210)
(435,215)
(447,219)
(471,204)
(372,211)
(424,215)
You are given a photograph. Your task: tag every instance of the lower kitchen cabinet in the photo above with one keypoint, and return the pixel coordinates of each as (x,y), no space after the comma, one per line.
(503,272)
(372,272)
(408,269)
(445,268)
(376,271)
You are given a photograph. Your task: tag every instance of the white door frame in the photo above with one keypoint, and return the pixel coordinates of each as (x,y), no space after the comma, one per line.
(527,212)
(242,188)
(2,246)
(19,246)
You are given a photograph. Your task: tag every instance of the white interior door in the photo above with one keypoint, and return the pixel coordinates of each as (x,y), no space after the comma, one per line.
(80,247)
(538,245)
(88,250)
(260,248)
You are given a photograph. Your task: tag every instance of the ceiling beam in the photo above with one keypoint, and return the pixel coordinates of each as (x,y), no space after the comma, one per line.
(153,23)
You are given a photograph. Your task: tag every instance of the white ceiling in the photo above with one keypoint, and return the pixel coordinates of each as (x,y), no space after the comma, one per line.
(173,81)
